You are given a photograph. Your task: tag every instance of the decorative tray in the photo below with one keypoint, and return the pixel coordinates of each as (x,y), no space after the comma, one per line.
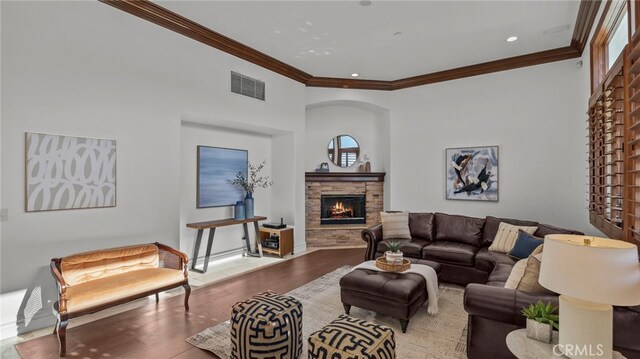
(398,266)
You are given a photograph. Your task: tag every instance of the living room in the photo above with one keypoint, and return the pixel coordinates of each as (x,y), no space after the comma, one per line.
(158,86)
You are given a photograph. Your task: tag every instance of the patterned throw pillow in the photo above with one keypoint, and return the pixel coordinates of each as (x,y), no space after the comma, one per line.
(395,225)
(506,237)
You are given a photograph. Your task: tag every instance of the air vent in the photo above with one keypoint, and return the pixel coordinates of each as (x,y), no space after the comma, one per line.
(247,86)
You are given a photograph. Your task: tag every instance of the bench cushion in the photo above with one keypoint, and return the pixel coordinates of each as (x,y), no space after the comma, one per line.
(398,287)
(106,290)
(88,266)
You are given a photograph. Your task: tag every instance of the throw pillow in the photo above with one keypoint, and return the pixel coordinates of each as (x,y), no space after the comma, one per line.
(395,225)
(538,250)
(529,281)
(525,245)
(506,237)
(516,274)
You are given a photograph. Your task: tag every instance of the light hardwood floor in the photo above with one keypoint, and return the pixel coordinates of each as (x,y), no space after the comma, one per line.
(159,330)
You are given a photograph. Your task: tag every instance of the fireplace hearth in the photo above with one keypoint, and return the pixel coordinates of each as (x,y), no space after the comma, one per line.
(342,209)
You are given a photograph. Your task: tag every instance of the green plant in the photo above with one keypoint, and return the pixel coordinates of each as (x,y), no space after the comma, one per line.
(542,313)
(253,182)
(393,246)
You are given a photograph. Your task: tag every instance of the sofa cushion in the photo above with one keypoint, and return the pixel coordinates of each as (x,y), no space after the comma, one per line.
(506,237)
(500,275)
(486,260)
(460,229)
(544,229)
(108,289)
(421,225)
(87,266)
(395,225)
(410,247)
(492,223)
(450,252)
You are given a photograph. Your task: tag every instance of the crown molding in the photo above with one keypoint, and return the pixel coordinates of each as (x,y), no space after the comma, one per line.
(336,82)
(159,15)
(537,58)
(586,18)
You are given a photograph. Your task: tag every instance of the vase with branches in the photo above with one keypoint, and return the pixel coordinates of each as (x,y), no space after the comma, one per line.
(249,185)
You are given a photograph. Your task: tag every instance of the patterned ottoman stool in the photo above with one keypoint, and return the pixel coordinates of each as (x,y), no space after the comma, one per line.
(351,338)
(267,325)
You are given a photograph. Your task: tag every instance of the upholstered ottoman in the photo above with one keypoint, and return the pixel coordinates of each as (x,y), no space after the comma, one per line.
(397,295)
(267,325)
(352,338)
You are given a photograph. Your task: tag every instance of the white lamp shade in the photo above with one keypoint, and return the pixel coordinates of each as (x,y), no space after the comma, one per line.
(607,271)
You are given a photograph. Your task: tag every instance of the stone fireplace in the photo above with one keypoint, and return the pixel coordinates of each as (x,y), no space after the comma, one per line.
(342,209)
(339,205)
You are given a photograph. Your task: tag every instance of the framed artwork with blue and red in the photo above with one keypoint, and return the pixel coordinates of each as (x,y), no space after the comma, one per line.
(472,173)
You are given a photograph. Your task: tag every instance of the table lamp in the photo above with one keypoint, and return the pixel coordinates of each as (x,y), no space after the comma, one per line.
(591,274)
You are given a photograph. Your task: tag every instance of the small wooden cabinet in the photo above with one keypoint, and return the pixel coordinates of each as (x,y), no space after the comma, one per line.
(285,240)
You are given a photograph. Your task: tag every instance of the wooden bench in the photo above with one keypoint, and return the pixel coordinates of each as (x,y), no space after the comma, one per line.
(92,281)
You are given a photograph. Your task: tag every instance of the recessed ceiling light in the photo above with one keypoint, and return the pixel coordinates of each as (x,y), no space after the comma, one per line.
(397,33)
(512,38)
(355,74)
(365,2)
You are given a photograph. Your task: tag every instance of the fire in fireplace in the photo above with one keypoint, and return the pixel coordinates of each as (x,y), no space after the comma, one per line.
(342,209)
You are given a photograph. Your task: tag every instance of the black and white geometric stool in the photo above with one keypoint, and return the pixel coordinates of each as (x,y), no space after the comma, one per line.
(267,325)
(348,337)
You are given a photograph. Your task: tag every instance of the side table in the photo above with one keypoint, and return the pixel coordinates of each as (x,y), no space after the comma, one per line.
(527,348)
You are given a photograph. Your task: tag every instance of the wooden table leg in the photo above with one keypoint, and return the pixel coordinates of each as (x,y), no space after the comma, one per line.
(196,248)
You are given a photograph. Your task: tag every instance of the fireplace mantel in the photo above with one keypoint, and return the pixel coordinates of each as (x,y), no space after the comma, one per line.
(344,176)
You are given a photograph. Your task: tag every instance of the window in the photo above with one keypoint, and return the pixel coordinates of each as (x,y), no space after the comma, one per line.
(610,38)
(617,41)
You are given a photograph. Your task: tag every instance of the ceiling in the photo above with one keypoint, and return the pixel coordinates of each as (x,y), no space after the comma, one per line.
(386,40)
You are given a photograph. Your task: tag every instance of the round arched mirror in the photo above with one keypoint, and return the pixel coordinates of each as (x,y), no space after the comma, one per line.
(343,150)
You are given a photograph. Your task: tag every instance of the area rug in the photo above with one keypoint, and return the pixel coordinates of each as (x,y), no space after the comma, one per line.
(428,336)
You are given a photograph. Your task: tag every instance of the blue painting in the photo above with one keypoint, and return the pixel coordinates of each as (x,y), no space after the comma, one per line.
(215,166)
(472,173)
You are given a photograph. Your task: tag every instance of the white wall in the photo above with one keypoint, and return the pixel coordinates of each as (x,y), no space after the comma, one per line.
(366,126)
(259,149)
(536,117)
(87,69)
(535,114)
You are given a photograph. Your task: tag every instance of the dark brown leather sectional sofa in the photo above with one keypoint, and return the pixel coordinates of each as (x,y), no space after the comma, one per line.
(460,244)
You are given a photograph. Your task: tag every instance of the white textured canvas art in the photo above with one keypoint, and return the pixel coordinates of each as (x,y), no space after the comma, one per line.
(67,172)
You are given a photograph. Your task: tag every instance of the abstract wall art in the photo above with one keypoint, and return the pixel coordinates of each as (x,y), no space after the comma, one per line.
(216,165)
(472,173)
(68,172)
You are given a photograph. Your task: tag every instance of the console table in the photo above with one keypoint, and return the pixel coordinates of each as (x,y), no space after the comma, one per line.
(211,226)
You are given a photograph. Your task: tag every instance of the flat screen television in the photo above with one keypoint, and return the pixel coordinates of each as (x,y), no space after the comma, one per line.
(216,165)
